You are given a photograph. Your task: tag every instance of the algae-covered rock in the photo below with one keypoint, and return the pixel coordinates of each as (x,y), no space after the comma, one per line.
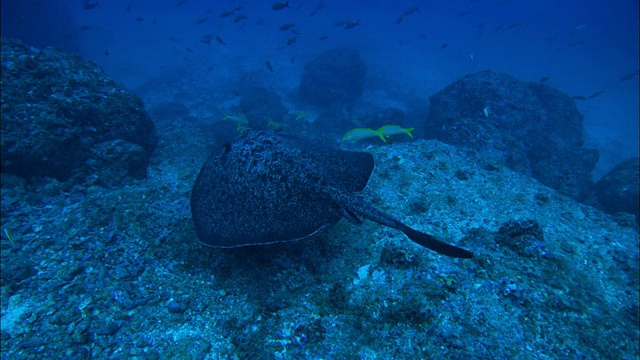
(333,79)
(617,191)
(262,107)
(531,127)
(60,112)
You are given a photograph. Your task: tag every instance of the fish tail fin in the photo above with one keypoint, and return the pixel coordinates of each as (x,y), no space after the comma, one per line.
(408,131)
(436,245)
(380,134)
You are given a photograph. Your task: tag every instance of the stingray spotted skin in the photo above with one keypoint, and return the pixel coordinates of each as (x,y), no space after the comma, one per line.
(265,188)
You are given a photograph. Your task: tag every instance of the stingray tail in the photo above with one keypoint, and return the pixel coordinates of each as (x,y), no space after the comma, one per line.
(434,244)
(353,205)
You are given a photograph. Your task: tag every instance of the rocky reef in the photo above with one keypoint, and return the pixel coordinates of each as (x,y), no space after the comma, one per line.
(617,191)
(262,107)
(111,273)
(550,275)
(63,118)
(333,79)
(530,127)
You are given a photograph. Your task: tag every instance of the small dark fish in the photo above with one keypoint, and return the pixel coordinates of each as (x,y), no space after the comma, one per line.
(206,39)
(239,18)
(180,3)
(174,39)
(422,36)
(85,27)
(226,14)
(89,5)
(579,97)
(595,94)
(481,25)
(293,59)
(285,27)
(543,79)
(201,21)
(238,8)
(411,10)
(188,50)
(444,45)
(498,28)
(291,41)
(323,37)
(351,24)
(399,20)
(219,40)
(551,38)
(139,18)
(319,7)
(280,5)
(514,25)
(629,76)
(268,64)
(464,13)
(106,52)
(128,8)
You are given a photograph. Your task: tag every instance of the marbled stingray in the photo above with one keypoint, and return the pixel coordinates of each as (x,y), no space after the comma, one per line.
(265,188)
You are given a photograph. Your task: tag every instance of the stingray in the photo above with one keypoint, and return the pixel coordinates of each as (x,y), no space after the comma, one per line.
(265,188)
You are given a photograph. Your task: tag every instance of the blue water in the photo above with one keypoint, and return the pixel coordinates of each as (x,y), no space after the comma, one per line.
(582,46)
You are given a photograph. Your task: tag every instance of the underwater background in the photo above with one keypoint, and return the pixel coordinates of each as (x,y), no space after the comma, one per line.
(509,128)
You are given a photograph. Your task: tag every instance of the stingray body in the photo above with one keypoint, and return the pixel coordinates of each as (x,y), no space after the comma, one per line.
(265,188)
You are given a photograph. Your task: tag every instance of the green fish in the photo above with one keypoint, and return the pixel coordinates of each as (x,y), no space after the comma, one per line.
(239,118)
(389,130)
(362,133)
(303,114)
(276,126)
(242,128)
(383,132)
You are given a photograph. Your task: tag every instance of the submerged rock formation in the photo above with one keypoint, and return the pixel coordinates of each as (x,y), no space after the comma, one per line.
(62,117)
(530,127)
(617,191)
(333,79)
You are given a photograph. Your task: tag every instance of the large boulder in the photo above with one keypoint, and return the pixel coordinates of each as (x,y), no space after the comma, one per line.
(617,191)
(62,117)
(333,79)
(261,107)
(530,127)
